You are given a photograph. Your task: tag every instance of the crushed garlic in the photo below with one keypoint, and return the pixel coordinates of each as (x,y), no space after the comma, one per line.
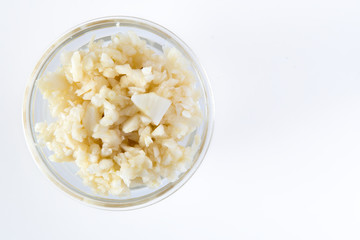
(120,112)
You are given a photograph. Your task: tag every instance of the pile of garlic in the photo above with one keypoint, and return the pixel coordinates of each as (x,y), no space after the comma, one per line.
(120,112)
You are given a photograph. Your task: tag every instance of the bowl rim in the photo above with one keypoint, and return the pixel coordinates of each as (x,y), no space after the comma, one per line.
(210,108)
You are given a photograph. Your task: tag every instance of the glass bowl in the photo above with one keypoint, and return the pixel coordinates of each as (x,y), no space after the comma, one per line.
(35,109)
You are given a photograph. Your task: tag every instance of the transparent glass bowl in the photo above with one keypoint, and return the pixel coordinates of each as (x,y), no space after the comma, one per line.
(35,109)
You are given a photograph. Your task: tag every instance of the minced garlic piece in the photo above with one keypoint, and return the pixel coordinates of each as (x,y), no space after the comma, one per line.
(120,112)
(152,105)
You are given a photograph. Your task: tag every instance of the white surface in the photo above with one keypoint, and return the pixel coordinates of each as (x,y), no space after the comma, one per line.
(284,162)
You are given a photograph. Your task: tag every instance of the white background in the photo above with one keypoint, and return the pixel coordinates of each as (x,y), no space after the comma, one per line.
(284,162)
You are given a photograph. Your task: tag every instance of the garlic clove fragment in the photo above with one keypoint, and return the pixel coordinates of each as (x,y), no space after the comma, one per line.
(152,105)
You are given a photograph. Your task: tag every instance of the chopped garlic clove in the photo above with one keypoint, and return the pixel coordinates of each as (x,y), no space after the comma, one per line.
(152,105)
(91,118)
(144,119)
(106,61)
(145,139)
(123,69)
(106,164)
(53,82)
(156,151)
(146,70)
(76,67)
(159,131)
(105,152)
(131,124)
